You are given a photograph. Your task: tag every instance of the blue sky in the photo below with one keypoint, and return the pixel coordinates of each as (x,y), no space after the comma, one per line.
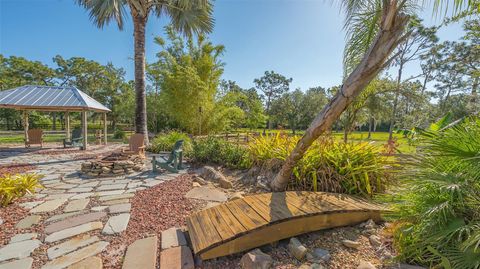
(302,39)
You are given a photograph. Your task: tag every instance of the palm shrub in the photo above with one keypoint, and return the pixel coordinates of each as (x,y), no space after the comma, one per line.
(218,151)
(16,186)
(328,165)
(438,210)
(165,141)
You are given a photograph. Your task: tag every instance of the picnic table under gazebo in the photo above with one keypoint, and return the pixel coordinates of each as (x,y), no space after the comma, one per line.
(54,99)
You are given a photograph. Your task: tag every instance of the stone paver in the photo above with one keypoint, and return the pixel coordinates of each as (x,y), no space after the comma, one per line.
(59,196)
(93,262)
(63,234)
(76,205)
(116,224)
(111,187)
(142,254)
(30,205)
(99,208)
(177,258)
(71,245)
(83,189)
(173,237)
(120,208)
(23,237)
(152,183)
(28,221)
(74,221)
(76,256)
(207,194)
(48,206)
(116,202)
(89,184)
(62,216)
(18,264)
(82,195)
(109,193)
(18,250)
(116,197)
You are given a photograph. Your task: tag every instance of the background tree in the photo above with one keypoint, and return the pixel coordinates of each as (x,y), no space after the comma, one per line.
(272,85)
(186,16)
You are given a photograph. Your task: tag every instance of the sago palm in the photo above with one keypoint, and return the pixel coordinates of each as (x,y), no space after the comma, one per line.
(186,16)
(374,30)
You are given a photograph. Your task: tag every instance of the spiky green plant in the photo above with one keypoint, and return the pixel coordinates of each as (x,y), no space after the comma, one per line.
(165,142)
(16,186)
(438,209)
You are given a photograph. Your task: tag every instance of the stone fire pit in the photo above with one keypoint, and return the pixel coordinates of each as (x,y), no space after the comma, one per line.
(115,164)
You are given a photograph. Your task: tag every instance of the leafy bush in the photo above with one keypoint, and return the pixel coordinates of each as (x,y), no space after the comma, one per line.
(219,151)
(120,134)
(165,142)
(438,211)
(14,187)
(328,165)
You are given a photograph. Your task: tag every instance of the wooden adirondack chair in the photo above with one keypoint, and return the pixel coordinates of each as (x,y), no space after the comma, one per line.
(35,136)
(174,161)
(136,145)
(75,140)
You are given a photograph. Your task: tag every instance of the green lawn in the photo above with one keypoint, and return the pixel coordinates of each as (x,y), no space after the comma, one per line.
(11,139)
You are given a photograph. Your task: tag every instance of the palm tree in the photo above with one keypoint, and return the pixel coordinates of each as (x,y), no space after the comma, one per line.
(374,29)
(187,16)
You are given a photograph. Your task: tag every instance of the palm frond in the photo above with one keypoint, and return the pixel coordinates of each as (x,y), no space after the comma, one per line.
(102,12)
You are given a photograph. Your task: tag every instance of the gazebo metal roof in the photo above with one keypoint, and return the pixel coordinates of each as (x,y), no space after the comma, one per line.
(49,98)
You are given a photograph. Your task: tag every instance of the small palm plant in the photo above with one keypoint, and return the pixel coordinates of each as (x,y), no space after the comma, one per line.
(439,210)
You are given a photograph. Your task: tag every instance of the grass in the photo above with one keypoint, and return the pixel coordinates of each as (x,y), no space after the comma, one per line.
(18,139)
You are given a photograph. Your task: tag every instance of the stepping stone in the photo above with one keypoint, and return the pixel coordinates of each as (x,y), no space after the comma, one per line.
(207,194)
(116,197)
(59,196)
(18,250)
(152,183)
(18,264)
(116,224)
(74,221)
(30,205)
(70,245)
(120,208)
(82,195)
(85,189)
(63,216)
(93,262)
(115,181)
(76,256)
(111,187)
(142,254)
(28,221)
(135,190)
(76,205)
(109,193)
(99,208)
(90,184)
(116,202)
(134,184)
(65,186)
(73,231)
(48,206)
(23,237)
(177,258)
(173,237)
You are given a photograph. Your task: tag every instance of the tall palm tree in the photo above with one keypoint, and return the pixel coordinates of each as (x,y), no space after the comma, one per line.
(187,16)
(374,29)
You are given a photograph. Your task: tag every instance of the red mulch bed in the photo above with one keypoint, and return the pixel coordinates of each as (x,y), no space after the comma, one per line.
(153,210)
(10,215)
(16,168)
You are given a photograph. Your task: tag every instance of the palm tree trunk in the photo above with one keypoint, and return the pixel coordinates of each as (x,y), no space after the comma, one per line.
(139,23)
(374,60)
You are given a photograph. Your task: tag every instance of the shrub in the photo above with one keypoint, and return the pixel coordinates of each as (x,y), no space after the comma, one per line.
(14,187)
(438,209)
(165,142)
(328,165)
(218,151)
(120,134)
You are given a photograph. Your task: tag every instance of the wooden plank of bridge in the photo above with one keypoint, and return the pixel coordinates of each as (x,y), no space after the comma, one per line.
(260,219)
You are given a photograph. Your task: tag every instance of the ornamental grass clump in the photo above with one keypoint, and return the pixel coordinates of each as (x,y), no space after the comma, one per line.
(16,186)
(328,165)
(165,142)
(438,209)
(218,151)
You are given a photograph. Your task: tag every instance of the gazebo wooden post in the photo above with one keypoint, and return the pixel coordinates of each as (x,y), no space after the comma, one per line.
(84,129)
(105,128)
(25,126)
(67,125)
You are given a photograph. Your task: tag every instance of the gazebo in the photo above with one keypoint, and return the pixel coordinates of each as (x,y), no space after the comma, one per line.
(52,98)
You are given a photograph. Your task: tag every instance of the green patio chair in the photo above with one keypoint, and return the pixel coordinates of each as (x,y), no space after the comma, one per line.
(174,161)
(75,141)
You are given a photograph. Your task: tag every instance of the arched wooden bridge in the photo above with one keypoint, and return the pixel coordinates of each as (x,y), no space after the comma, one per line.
(260,219)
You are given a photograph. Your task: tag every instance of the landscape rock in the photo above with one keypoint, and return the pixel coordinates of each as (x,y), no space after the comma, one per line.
(209,173)
(351,244)
(177,258)
(321,254)
(18,250)
(297,249)
(207,194)
(116,224)
(256,259)
(236,195)
(173,237)
(142,254)
(375,241)
(366,265)
(311,266)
